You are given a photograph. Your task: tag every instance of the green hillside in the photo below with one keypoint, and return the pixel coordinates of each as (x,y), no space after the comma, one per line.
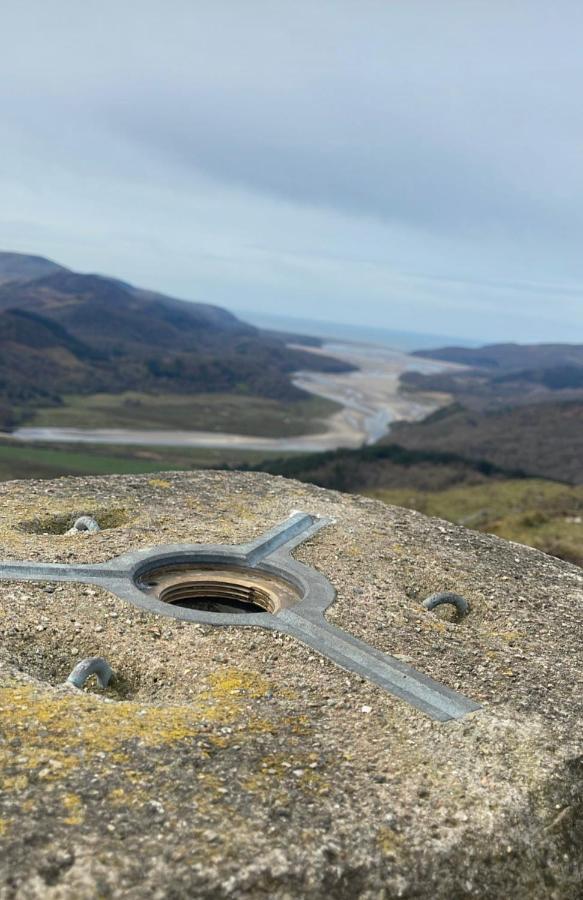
(64,334)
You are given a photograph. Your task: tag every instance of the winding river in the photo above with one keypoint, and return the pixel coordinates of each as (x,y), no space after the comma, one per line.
(370,400)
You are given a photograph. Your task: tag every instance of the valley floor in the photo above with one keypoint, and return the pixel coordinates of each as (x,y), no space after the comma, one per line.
(132,412)
(50,460)
(367,401)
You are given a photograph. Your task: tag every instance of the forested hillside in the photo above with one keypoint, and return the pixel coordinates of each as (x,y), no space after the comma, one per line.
(66,333)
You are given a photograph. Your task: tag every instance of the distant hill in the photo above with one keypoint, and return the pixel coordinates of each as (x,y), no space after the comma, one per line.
(21,267)
(64,332)
(509,357)
(540,440)
(553,378)
(110,314)
(38,360)
(384,466)
(504,374)
(454,447)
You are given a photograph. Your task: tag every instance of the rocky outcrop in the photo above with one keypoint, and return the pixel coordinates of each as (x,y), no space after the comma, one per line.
(235,762)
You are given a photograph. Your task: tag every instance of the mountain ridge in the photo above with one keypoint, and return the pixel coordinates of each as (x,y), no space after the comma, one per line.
(25,267)
(508,356)
(114,337)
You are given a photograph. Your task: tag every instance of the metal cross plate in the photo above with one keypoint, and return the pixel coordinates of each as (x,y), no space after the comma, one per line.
(269,555)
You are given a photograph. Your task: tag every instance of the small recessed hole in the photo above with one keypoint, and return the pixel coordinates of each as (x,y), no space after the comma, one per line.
(60,523)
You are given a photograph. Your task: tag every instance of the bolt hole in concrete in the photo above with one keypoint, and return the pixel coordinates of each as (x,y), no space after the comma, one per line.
(228,589)
(63,522)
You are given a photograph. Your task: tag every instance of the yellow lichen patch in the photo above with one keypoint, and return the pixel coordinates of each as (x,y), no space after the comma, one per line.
(435,625)
(388,841)
(239,512)
(238,681)
(297,765)
(55,737)
(118,797)
(211,782)
(278,763)
(298,724)
(58,733)
(15,783)
(74,808)
(313,783)
(355,550)
(509,637)
(263,783)
(4,826)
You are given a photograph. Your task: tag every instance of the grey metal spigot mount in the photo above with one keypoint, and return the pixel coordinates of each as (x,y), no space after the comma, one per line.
(269,555)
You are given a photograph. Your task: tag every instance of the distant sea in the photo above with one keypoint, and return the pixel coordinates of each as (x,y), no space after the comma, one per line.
(400,340)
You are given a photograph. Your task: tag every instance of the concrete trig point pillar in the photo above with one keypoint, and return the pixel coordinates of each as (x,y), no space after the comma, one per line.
(211,740)
(210,572)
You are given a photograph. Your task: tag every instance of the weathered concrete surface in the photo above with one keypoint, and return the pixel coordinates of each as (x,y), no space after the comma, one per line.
(236,763)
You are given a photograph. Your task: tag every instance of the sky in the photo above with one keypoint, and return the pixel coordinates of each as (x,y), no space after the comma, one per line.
(401,164)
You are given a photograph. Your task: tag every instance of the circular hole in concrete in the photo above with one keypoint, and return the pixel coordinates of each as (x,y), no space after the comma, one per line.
(219,589)
(213,597)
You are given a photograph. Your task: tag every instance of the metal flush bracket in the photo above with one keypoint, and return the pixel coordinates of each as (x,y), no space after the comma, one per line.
(270,554)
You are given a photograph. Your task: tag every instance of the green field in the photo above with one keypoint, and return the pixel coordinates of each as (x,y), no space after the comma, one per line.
(542,514)
(232,413)
(38,460)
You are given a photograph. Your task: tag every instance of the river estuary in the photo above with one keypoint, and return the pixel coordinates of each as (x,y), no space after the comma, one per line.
(370,400)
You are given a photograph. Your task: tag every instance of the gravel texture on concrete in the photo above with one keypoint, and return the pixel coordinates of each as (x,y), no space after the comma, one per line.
(235,762)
